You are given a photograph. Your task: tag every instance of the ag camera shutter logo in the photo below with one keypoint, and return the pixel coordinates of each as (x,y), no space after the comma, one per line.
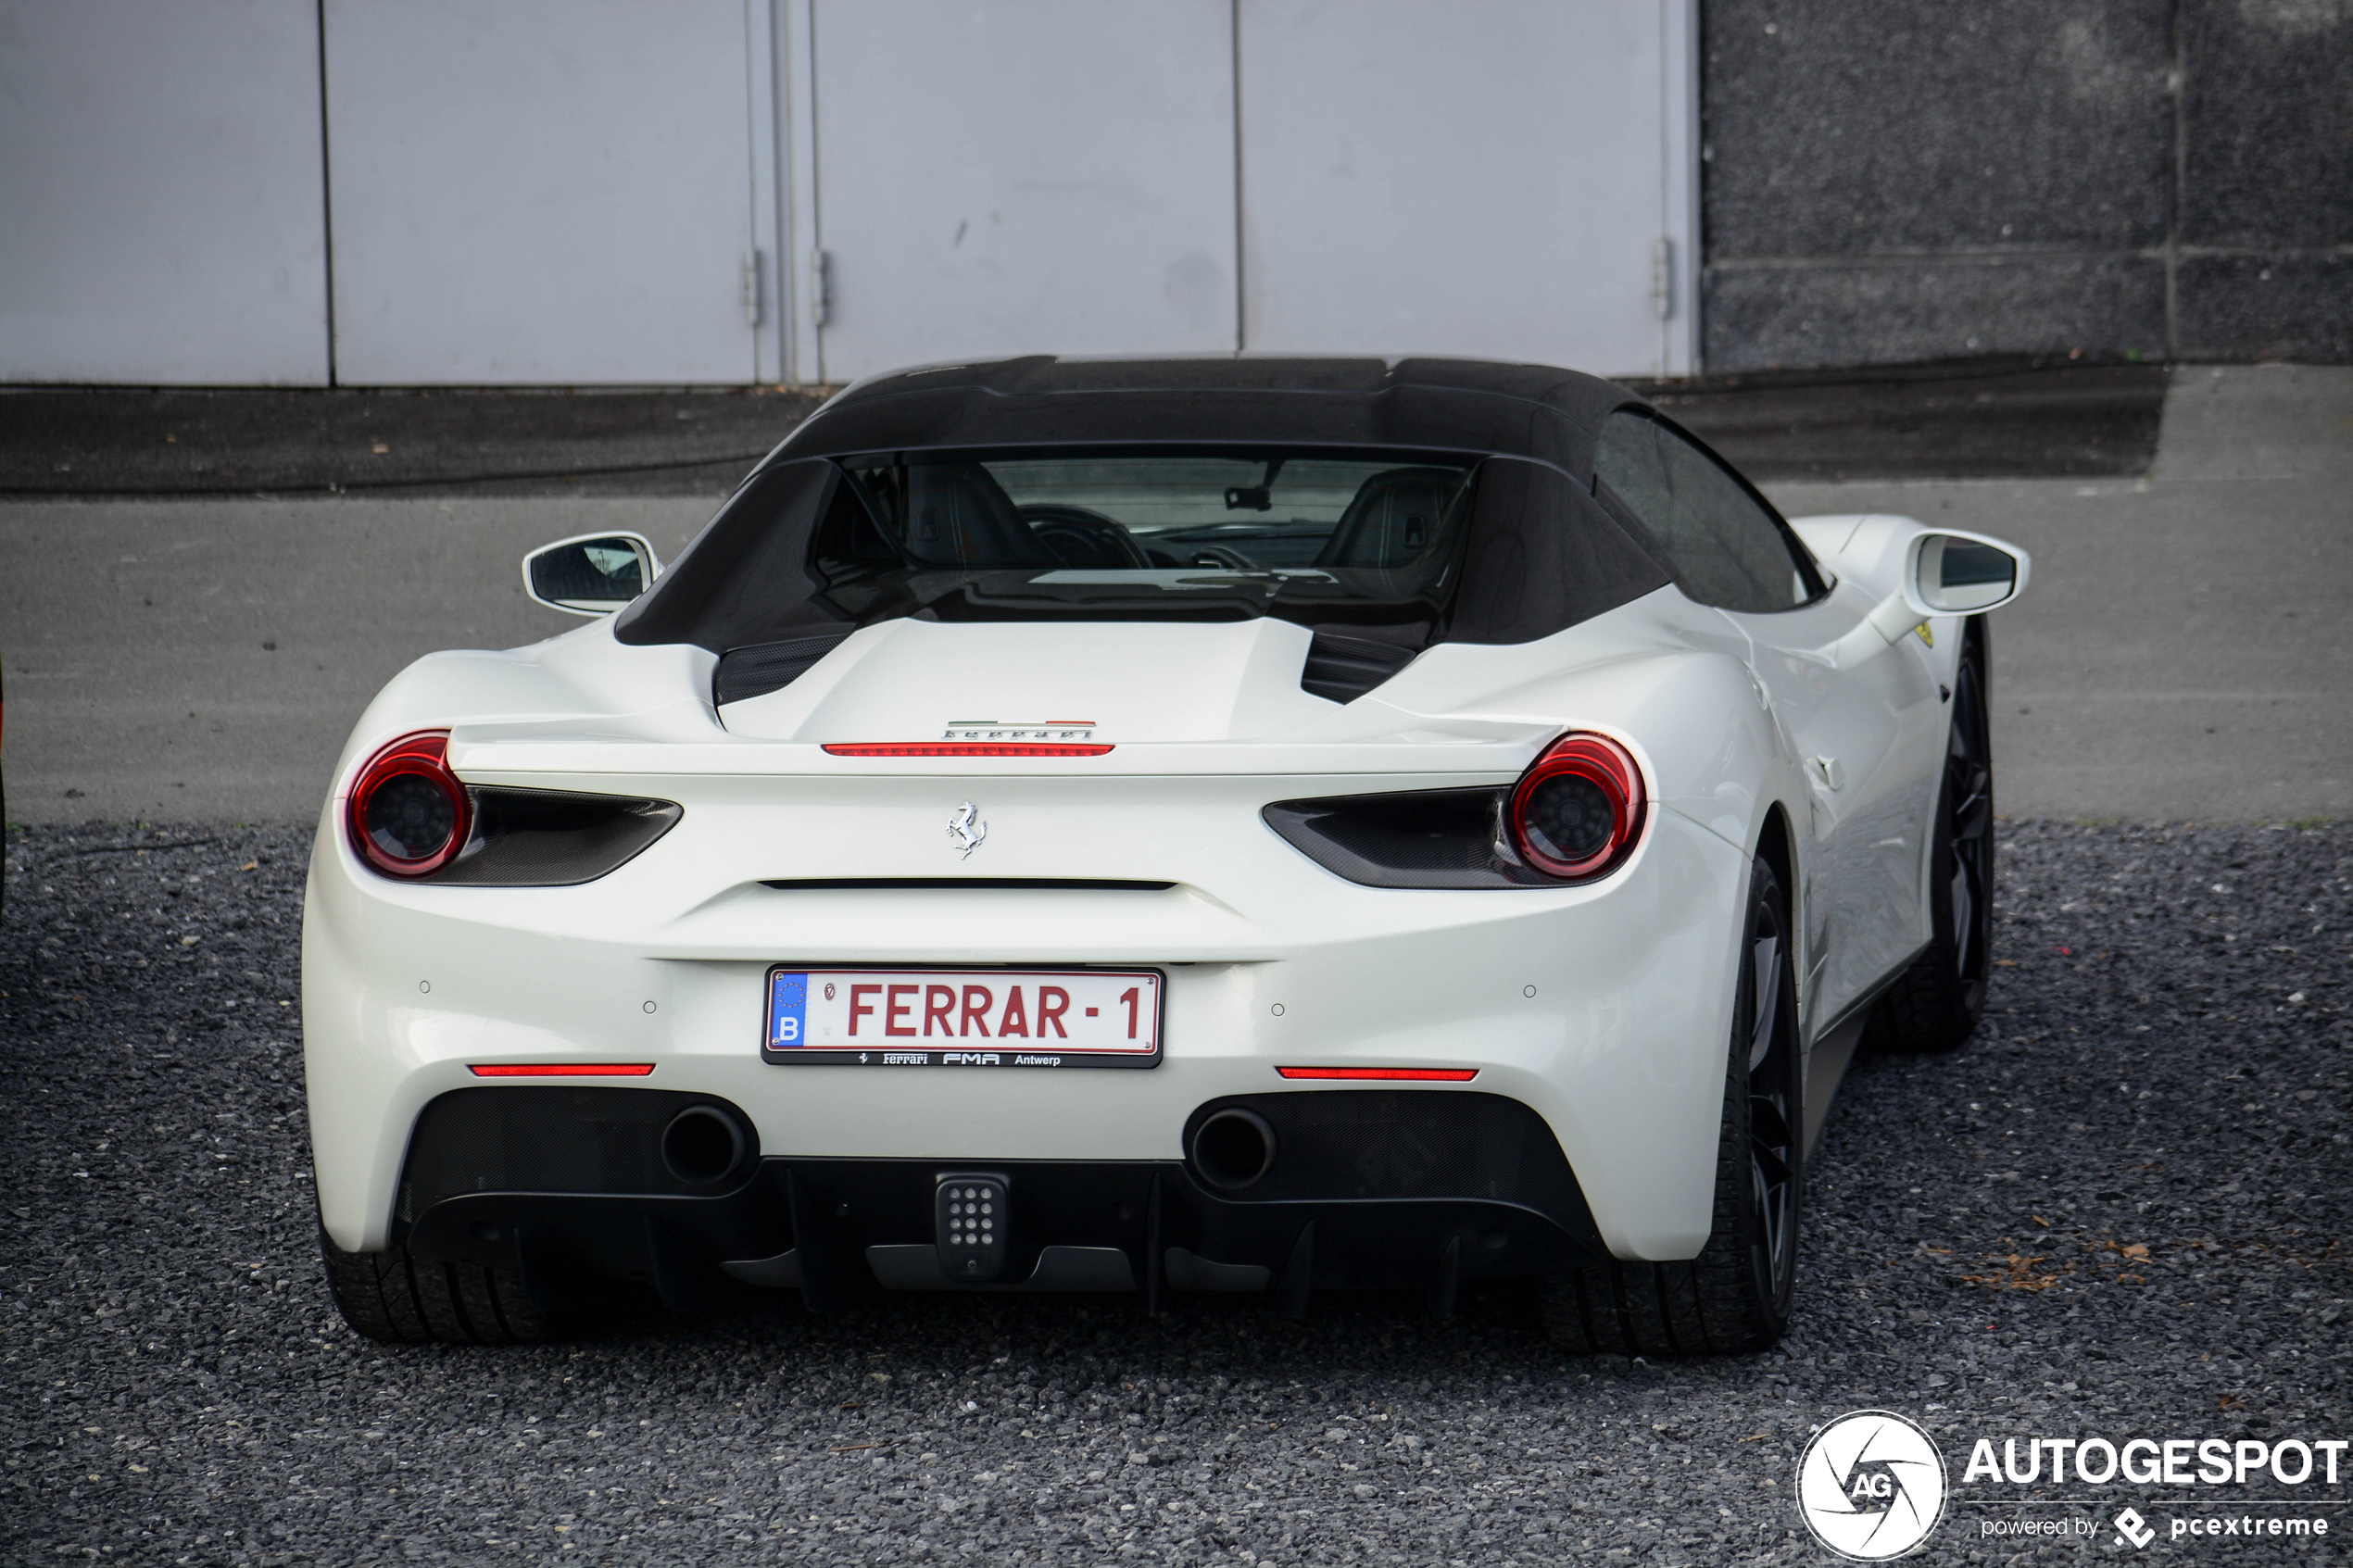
(1872,1486)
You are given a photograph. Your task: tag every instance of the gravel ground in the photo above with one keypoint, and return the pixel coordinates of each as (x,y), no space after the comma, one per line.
(2122,1210)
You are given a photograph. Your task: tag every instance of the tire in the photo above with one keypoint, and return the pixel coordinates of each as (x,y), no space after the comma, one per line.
(402,1300)
(1735,1296)
(1934,1005)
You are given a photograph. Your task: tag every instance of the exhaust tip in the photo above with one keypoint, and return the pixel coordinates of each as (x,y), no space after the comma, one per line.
(703,1145)
(1234,1148)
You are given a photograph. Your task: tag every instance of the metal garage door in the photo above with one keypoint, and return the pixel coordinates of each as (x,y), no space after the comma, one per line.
(1508,178)
(156,226)
(540,190)
(1020,175)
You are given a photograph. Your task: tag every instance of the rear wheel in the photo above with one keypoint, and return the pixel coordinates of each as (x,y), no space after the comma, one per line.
(1934,1006)
(1735,1295)
(403,1300)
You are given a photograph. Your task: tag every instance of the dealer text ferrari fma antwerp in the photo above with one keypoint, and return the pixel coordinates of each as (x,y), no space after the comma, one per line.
(1225,824)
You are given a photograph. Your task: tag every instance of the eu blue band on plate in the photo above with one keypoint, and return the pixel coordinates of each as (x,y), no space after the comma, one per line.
(787,998)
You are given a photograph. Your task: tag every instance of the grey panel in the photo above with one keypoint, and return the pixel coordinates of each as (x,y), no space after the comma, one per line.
(2269,112)
(1889,312)
(2267,306)
(999,178)
(161,209)
(541,192)
(1833,126)
(1956,423)
(1435,178)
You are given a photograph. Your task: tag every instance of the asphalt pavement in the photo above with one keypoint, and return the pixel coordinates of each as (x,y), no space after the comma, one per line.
(2004,418)
(2124,1211)
(243,443)
(2183,650)
(2180,656)
(204,660)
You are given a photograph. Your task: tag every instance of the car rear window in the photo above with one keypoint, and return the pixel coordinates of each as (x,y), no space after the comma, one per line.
(1153,512)
(1380,540)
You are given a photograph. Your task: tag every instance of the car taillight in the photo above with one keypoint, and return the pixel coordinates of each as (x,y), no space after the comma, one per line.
(409,815)
(1576,811)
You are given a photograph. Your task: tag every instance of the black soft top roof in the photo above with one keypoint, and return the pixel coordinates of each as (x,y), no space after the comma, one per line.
(1457,405)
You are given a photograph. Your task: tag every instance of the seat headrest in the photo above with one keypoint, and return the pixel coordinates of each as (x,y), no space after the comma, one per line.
(1394,516)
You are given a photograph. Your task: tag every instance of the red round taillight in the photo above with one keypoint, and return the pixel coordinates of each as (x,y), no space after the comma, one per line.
(1576,811)
(409,815)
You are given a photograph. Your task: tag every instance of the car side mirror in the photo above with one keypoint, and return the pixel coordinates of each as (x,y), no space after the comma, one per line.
(590,573)
(1962,574)
(1935,572)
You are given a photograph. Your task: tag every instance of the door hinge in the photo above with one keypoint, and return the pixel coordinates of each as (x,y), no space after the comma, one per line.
(821,288)
(1663,278)
(748,288)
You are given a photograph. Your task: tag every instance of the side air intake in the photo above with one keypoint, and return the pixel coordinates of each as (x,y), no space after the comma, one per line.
(1343,668)
(762,667)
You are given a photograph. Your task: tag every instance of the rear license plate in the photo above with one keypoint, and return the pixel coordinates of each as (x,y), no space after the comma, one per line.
(964,1017)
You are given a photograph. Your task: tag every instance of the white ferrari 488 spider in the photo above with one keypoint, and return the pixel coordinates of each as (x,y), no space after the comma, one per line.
(1158,825)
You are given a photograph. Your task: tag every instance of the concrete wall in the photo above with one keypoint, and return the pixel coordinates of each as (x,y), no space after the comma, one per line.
(1905,180)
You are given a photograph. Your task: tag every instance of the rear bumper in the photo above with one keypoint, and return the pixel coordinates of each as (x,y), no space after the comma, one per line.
(1605,1007)
(569,1188)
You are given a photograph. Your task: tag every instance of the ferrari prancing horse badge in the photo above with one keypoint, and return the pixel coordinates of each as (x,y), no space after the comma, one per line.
(967,828)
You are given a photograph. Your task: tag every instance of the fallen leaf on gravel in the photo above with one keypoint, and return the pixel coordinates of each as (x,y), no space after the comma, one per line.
(2005,963)
(2138,1249)
(2017,1274)
(250,866)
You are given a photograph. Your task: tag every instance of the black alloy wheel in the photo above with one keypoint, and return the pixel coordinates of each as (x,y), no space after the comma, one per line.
(1735,1296)
(1968,810)
(1768,1010)
(1935,1004)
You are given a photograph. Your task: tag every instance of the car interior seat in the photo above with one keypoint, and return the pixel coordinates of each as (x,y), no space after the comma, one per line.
(959,515)
(1394,519)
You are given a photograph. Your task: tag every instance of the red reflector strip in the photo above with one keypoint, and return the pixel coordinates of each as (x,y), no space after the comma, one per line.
(1407,1074)
(961,748)
(562,1069)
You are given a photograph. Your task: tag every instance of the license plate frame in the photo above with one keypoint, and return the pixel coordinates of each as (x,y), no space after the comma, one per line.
(913,1048)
